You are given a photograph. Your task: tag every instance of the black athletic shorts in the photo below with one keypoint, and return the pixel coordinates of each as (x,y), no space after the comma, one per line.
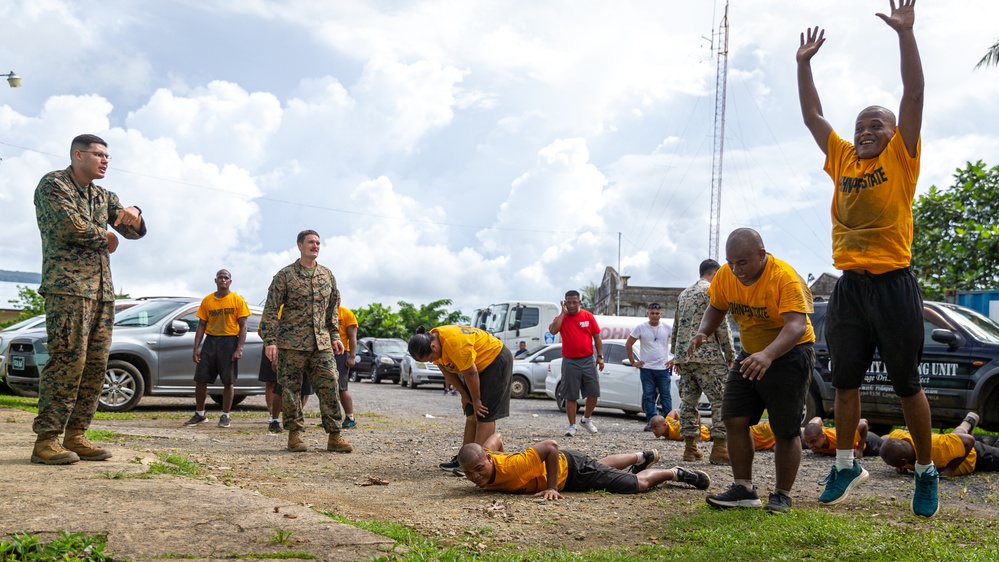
(343,373)
(216,360)
(585,474)
(781,391)
(494,387)
(988,458)
(267,374)
(883,312)
(872,448)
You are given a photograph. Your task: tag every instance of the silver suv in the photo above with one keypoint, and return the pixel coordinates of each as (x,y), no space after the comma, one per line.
(150,355)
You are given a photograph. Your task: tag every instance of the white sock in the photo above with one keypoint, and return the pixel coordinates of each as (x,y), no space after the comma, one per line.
(641,458)
(921,468)
(844,459)
(585,420)
(201,413)
(747,484)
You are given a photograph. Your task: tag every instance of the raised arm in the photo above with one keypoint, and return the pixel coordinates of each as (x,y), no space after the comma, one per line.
(808,96)
(910,111)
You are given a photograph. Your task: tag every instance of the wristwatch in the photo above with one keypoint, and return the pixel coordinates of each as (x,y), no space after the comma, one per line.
(600,356)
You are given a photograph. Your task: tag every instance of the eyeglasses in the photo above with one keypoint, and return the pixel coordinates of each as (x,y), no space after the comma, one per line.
(655,306)
(99,155)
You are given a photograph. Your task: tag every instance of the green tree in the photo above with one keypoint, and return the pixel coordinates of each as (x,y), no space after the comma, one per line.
(588,296)
(430,315)
(29,301)
(956,239)
(378,321)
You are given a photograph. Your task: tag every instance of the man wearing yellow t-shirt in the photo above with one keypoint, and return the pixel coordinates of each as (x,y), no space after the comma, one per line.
(770,302)
(344,361)
(876,304)
(956,453)
(545,471)
(822,440)
(479,367)
(669,427)
(222,316)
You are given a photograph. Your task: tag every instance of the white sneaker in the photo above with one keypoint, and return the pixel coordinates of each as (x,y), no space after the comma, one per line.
(571,431)
(589,425)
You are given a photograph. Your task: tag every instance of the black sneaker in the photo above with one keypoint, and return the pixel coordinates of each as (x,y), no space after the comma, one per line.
(451,465)
(649,458)
(274,426)
(736,496)
(196,419)
(695,478)
(778,502)
(224,420)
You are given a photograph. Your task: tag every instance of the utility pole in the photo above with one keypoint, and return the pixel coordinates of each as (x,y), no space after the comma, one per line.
(721,86)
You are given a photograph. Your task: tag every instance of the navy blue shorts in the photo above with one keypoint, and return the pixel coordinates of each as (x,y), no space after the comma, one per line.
(882,312)
(586,474)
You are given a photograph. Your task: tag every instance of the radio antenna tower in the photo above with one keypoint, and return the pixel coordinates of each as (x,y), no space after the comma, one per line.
(721,85)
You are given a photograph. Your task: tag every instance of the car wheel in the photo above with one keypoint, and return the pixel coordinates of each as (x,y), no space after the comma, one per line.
(123,387)
(402,381)
(354,377)
(813,406)
(559,401)
(217,398)
(375,379)
(519,387)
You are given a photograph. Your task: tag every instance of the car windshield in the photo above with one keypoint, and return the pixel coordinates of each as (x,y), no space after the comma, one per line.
(981,327)
(35,320)
(497,318)
(390,347)
(146,314)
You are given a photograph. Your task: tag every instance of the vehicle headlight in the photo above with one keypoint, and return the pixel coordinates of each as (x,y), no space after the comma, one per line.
(421,364)
(386,360)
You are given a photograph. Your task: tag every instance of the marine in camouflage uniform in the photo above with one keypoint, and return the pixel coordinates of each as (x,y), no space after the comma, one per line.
(305,338)
(706,370)
(73,217)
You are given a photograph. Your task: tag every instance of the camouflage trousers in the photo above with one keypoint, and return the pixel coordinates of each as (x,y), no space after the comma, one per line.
(321,368)
(696,378)
(79,338)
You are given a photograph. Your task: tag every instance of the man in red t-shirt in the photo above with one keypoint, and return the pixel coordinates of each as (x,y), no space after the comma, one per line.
(580,335)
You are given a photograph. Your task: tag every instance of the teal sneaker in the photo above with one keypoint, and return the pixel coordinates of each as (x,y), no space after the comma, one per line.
(925,501)
(840,483)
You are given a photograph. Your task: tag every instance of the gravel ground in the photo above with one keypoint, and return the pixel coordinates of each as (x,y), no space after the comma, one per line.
(403,434)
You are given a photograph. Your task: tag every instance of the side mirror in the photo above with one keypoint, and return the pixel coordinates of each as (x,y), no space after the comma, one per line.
(179,327)
(947,337)
(538,359)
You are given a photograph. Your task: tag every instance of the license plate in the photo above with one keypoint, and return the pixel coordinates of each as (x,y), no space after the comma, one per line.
(17,363)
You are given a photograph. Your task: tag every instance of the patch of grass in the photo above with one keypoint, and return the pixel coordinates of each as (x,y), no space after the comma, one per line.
(19,403)
(102,435)
(709,535)
(281,536)
(116,475)
(288,555)
(175,556)
(175,464)
(24,547)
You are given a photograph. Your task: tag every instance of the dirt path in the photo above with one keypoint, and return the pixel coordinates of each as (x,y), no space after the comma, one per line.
(401,437)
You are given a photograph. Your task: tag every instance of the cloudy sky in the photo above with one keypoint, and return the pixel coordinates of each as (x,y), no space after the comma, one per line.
(478,151)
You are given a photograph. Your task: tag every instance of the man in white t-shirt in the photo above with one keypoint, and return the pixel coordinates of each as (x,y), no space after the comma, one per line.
(655,364)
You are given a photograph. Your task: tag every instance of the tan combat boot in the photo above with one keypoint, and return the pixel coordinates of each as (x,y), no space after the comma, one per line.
(77,442)
(48,451)
(338,444)
(691,453)
(295,442)
(719,452)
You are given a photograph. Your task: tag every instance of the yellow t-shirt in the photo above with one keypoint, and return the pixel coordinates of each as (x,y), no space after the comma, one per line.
(946,447)
(872,205)
(673,431)
(524,472)
(763,436)
(830,433)
(758,308)
(461,346)
(221,316)
(346,319)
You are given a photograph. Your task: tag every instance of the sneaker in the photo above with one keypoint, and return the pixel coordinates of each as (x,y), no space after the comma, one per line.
(589,425)
(924,500)
(699,480)
(458,472)
(451,465)
(778,502)
(647,428)
(649,458)
(196,419)
(737,495)
(349,423)
(274,426)
(571,430)
(972,420)
(840,483)
(224,420)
